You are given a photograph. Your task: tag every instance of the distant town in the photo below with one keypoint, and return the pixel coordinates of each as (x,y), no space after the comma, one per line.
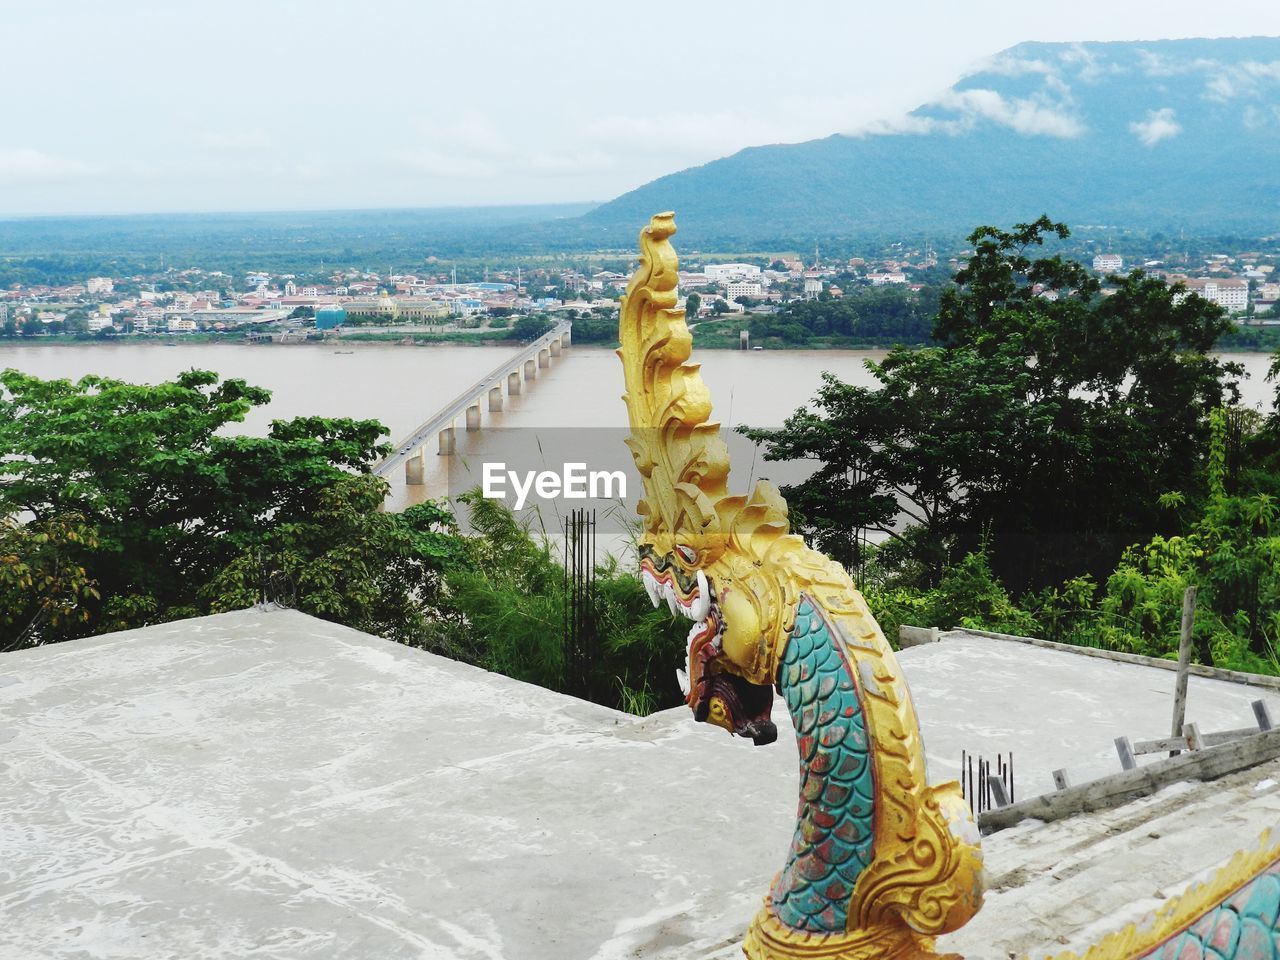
(282,306)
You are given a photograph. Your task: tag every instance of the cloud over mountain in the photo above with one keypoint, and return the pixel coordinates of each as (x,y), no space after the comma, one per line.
(1158,125)
(1160,134)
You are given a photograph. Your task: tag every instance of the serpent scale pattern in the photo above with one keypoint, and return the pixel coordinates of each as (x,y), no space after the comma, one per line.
(1245,927)
(833,840)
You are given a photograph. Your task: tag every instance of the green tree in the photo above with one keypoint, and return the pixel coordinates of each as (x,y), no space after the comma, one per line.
(1012,433)
(344,559)
(692,304)
(43,587)
(595,329)
(887,316)
(510,600)
(176,519)
(530,327)
(1231,552)
(899,452)
(76,323)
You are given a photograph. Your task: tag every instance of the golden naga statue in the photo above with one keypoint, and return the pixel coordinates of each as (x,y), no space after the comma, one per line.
(881,862)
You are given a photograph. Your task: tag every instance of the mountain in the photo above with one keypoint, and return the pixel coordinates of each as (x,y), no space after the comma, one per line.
(1161,135)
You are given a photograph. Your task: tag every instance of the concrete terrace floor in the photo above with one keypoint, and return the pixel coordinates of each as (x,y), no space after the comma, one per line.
(267,784)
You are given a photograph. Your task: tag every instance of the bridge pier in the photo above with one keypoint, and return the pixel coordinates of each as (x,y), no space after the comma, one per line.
(530,361)
(414,469)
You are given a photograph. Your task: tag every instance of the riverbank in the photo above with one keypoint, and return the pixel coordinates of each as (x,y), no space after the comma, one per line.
(726,335)
(452,336)
(707,335)
(486,337)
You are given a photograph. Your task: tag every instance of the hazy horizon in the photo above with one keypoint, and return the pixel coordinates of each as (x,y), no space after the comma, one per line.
(267,212)
(325,106)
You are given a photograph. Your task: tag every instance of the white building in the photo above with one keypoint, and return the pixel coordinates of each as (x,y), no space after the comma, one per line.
(1108,263)
(1231,294)
(812,287)
(99,323)
(694,279)
(723,272)
(887,279)
(743,288)
(179,325)
(99,285)
(607,278)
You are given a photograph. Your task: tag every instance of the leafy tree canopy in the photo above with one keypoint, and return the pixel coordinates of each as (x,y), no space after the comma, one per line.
(143,509)
(1045,425)
(531,327)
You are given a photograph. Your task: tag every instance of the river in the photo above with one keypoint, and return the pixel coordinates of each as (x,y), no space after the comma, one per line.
(401,386)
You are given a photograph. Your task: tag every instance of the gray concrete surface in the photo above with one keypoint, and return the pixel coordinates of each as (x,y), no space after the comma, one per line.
(1053,709)
(909,636)
(266,784)
(1064,885)
(269,785)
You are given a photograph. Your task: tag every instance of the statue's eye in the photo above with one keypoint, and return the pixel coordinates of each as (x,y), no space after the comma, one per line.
(687,553)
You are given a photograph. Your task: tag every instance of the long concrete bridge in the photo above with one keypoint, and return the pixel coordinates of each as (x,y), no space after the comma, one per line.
(515,370)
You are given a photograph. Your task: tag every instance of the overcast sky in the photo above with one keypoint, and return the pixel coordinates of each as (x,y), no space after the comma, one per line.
(138,106)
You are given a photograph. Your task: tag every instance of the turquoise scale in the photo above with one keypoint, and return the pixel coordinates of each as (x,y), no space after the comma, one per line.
(833,840)
(1246,927)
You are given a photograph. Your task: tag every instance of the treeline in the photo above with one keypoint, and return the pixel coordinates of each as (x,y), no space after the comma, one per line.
(868,316)
(599,327)
(1251,338)
(60,250)
(864,316)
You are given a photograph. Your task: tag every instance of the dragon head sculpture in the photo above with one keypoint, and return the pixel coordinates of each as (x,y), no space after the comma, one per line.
(881,861)
(701,550)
